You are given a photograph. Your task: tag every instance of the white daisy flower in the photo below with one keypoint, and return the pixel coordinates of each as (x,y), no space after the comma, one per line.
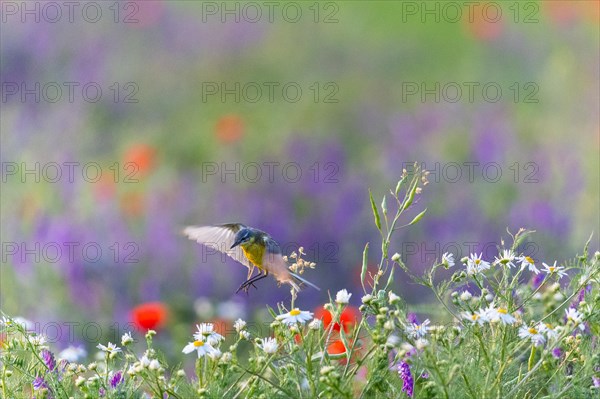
(295,316)
(554,269)
(548,330)
(418,330)
(110,350)
(239,325)
(533,334)
(126,339)
(269,345)
(573,316)
(476,265)
(528,262)
(342,297)
(203,348)
(447,260)
(504,316)
(507,258)
(206,333)
(475,317)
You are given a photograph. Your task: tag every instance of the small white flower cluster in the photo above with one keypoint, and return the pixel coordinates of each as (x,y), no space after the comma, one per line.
(299,264)
(240,328)
(146,362)
(342,297)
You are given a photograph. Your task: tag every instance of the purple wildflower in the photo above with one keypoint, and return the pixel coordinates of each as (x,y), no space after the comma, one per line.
(412,318)
(581,295)
(408,383)
(39,383)
(48,359)
(557,352)
(116,379)
(425,375)
(596,381)
(537,280)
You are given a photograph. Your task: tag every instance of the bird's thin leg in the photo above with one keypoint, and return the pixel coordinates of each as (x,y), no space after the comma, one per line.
(249,282)
(246,284)
(258,277)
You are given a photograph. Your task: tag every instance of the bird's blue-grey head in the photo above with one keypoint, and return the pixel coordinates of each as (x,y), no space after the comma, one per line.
(242,236)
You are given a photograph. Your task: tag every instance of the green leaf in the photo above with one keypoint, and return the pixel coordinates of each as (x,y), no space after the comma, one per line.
(375,212)
(418,217)
(399,185)
(410,197)
(390,278)
(363,272)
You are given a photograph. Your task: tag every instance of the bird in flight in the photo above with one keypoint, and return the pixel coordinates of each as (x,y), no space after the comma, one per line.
(252,248)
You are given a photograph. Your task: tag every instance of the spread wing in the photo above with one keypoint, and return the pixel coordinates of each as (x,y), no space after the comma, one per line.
(220,238)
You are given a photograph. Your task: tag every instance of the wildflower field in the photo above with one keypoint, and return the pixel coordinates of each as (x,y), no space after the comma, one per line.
(427,172)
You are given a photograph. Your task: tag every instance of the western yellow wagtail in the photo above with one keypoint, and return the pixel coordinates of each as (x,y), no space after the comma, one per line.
(252,248)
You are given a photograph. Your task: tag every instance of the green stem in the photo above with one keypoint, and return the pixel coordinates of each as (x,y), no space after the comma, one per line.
(468,385)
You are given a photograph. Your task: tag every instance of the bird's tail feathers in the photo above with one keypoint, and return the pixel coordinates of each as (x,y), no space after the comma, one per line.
(296,279)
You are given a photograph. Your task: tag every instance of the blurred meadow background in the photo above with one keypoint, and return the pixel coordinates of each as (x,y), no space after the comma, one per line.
(187,131)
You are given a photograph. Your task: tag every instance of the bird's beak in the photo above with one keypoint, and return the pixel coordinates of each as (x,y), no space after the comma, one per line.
(235,244)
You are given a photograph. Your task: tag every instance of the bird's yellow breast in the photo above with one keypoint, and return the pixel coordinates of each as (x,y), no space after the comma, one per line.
(255,252)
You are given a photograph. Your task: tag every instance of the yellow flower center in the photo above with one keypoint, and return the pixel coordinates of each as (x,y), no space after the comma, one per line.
(295,312)
(532,331)
(477,261)
(502,310)
(552,268)
(474,316)
(529,260)
(198,343)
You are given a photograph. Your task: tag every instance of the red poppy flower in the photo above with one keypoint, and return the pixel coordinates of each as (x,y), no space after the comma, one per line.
(349,317)
(229,129)
(336,347)
(149,316)
(143,158)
